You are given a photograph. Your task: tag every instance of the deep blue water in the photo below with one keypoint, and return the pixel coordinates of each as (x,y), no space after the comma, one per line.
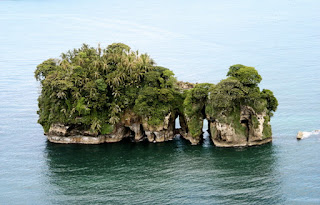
(198,41)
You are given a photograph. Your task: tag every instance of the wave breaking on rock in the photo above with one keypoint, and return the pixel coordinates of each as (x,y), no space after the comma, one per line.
(302,135)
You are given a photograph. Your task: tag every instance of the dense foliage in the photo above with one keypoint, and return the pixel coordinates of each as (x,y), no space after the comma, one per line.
(240,89)
(158,96)
(93,86)
(248,76)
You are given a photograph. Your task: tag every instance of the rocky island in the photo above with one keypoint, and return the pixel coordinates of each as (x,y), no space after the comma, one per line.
(103,95)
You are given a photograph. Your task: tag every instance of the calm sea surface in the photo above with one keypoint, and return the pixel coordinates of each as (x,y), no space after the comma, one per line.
(198,40)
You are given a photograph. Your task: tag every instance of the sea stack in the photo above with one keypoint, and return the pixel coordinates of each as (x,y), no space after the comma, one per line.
(95,95)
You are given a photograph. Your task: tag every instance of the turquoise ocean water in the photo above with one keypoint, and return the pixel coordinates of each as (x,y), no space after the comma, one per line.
(198,40)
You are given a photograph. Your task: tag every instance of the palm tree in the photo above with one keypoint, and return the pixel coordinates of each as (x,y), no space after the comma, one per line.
(64,56)
(116,93)
(96,74)
(99,49)
(63,110)
(96,63)
(104,65)
(96,125)
(76,95)
(65,64)
(61,95)
(114,120)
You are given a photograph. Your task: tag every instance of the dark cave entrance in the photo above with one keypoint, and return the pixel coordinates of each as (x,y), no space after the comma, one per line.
(245,123)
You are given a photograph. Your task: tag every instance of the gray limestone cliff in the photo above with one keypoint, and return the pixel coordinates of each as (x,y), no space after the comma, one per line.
(248,131)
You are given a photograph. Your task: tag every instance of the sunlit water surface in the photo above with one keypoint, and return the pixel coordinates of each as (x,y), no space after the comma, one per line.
(198,41)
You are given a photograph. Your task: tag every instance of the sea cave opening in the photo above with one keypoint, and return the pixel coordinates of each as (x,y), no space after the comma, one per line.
(177,123)
(245,123)
(205,130)
(180,126)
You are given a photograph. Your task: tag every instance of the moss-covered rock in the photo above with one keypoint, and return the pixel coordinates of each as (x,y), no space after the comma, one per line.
(194,110)
(239,114)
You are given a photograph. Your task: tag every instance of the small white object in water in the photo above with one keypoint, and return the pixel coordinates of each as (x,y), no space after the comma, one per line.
(302,135)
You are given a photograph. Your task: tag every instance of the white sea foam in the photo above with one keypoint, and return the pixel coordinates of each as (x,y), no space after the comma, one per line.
(308,134)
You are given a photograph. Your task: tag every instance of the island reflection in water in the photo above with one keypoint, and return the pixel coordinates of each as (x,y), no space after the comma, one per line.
(165,173)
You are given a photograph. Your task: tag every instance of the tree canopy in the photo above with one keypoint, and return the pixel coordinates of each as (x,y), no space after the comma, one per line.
(240,89)
(246,75)
(92,86)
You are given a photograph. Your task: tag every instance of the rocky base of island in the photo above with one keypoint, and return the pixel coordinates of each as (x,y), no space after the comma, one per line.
(78,139)
(131,127)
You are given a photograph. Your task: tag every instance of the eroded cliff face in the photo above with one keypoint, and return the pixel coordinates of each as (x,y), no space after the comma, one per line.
(225,135)
(130,126)
(141,130)
(193,139)
(65,134)
(247,131)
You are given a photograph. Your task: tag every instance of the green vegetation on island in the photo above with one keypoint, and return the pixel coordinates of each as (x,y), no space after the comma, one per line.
(92,88)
